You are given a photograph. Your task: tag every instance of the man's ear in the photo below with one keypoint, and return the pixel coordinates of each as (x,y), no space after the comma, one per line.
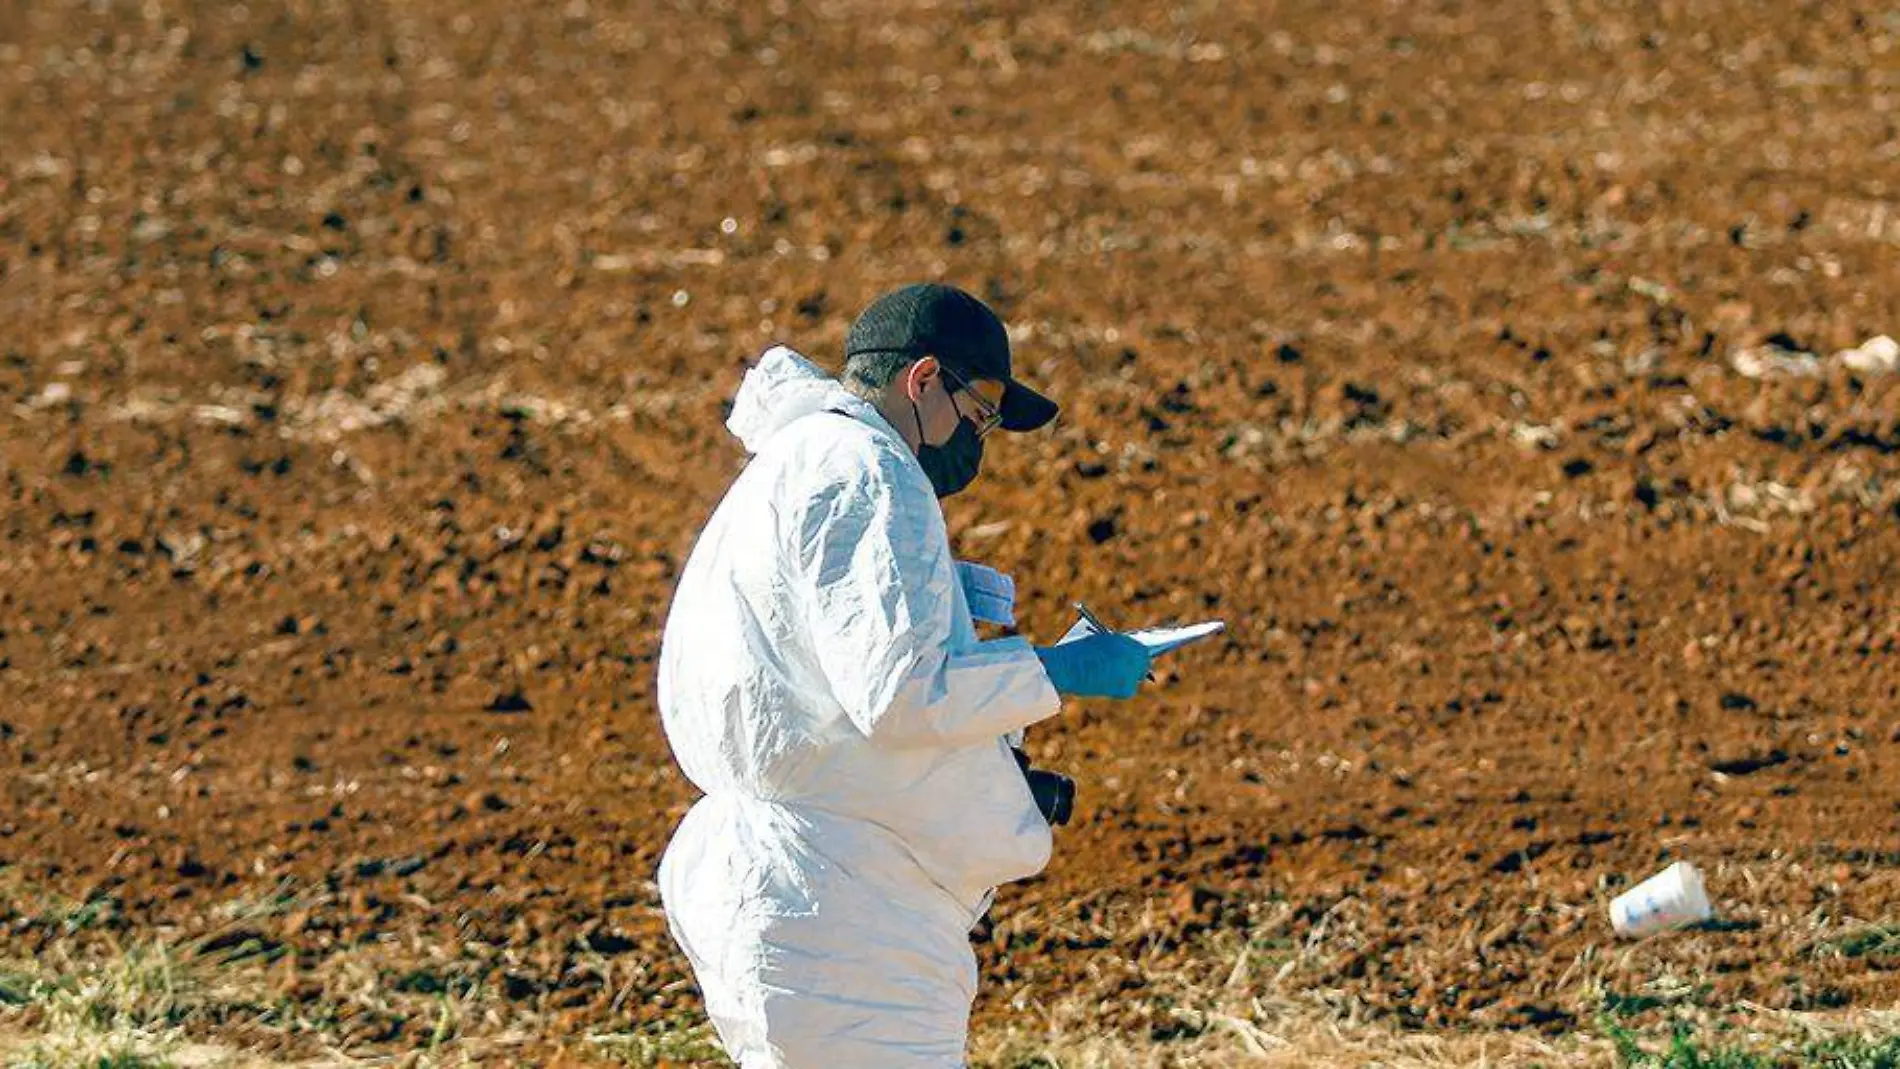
(919,376)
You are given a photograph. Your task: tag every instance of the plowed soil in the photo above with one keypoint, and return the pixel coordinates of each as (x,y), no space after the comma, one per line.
(362,375)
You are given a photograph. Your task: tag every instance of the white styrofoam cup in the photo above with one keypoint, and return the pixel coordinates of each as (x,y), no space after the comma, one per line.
(1670,899)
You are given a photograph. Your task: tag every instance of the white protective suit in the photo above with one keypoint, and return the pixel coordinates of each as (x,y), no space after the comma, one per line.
(821,681)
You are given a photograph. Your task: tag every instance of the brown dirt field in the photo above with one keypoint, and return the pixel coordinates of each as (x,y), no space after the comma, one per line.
(361,390)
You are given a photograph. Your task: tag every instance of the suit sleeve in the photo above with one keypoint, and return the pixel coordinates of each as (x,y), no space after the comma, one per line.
(875,569)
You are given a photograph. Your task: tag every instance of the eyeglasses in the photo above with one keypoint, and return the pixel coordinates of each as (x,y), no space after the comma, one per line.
(992,417)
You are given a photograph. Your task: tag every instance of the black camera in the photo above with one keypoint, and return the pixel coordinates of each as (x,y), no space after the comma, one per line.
(1054,792)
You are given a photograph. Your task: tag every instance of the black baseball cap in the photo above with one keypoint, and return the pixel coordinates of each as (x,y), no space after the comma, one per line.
(933,319)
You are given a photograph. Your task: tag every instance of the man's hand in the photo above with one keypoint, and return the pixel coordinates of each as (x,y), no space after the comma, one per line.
(1097,666)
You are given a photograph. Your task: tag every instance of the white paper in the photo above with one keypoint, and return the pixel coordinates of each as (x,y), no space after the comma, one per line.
(1159,640)
(1081,629)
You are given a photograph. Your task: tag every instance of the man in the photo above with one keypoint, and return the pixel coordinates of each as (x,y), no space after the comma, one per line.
(821,681)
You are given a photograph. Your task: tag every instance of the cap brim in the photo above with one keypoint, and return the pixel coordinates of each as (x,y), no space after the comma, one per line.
(1024,409)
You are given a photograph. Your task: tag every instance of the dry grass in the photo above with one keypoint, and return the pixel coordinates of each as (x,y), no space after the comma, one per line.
(1230,997)
(675,1043)
(1267,1034)
(1220,1028)
(151,1006)
(135,1013)
(116,1013)
(1232,1006)
(1249,998)
(1263,1034)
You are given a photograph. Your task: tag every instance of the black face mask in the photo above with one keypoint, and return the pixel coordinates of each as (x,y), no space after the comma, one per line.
(953,465)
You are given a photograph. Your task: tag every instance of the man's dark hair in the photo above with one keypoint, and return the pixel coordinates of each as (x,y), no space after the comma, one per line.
(869,374)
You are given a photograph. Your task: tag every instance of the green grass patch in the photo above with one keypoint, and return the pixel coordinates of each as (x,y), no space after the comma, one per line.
(1858,1053)
(1685,1050)
(662,1043)
(16,989)
(119,1059)
(71,916)
(1875,940)
(88,1056)
(1661,993)
(1619,1004)
(122,1014)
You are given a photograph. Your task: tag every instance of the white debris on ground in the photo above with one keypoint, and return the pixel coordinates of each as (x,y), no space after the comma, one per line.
(1875,356)
(334,413)
(1767,361)
(1676,897)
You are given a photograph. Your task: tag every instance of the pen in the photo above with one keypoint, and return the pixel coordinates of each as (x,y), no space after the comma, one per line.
(1096,623)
